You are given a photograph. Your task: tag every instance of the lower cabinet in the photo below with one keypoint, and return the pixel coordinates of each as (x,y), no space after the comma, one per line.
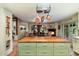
(44,49)
(76,45)
(0,52)
(61,49)
(27,49)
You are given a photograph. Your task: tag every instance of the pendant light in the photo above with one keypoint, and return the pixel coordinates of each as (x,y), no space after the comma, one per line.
(43,11)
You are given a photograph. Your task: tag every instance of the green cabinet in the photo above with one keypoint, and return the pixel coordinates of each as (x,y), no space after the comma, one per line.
(0,52)
(61,49)
(44,53)
(76,45)
(28,49)
(44,49)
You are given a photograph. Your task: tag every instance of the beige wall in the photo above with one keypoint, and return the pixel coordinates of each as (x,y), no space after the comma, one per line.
(2,32)
(21,23)
(8,13)
(69,19)
(3,36)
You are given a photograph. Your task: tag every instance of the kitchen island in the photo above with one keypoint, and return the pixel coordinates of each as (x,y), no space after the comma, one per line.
(44,46)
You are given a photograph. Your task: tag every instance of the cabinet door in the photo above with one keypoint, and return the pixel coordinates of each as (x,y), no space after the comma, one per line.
(44,49)
(0,51)
(28,49)
(76,45)
(61,49)
(27,53)
(44,53)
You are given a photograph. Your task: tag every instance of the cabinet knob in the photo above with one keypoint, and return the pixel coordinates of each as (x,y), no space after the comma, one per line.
(28,52)
(44,46)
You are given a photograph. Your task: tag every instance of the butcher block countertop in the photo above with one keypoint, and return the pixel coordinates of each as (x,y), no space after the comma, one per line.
(43,39)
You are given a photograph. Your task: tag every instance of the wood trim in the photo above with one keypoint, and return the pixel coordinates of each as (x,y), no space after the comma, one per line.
(17,27)
(43,39)
(16,19)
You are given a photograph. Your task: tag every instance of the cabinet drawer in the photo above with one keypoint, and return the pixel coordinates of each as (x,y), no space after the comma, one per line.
(61,53)
(44,46)
(27,49)
(61,49)
(27,44)
(44,53)
(27,53)
(44,49)
(23,50)
(62,45)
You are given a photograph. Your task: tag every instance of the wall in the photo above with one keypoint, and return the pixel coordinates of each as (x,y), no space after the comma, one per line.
(8,13)
(24,24)
(21,33)
(3,36)
(67,21)
(2,32)
(28,26)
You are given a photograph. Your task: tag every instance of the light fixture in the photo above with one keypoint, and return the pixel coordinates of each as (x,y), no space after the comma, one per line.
(43,11)
(43,8)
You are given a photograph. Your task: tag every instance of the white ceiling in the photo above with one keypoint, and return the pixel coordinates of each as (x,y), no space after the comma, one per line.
(26,11)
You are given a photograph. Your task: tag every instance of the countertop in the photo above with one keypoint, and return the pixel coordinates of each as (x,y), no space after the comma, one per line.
(76,37)
(43,39)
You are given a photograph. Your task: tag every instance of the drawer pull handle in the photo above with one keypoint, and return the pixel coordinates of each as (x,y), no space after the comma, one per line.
(44,52)
(44,46)
(62,46)
(28,52)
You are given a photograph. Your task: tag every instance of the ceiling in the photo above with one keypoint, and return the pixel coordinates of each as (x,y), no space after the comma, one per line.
(27,11)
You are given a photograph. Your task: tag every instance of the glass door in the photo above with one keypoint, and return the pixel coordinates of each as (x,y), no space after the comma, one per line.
(66,34)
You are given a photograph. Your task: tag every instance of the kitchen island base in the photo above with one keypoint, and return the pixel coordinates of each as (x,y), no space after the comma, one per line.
(44,46)
(44,49)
